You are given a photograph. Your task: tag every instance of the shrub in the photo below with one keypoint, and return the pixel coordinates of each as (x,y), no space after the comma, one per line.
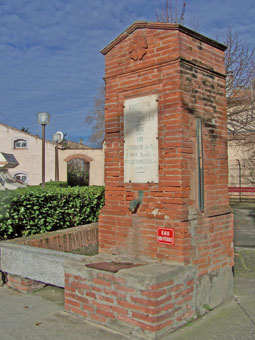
(34,210)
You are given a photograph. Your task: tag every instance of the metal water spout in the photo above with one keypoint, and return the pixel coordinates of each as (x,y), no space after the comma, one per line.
(134,204)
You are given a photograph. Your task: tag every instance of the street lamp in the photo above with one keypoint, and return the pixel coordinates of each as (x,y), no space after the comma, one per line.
(43,118)
(57,137)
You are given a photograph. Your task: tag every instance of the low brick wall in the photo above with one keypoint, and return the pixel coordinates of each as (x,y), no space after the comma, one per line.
(25,264)
(23,284)
(66,240)
(147,302)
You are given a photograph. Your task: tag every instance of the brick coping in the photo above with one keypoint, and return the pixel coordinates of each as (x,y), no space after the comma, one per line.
(159,25)
(66,240)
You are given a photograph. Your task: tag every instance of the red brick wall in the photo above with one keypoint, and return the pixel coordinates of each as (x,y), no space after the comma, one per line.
(186,71)
(116,302)
(23,284)
(64,240)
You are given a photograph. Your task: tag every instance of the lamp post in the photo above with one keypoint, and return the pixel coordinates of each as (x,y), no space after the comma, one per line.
(240,179)
(43,118)
(57,137)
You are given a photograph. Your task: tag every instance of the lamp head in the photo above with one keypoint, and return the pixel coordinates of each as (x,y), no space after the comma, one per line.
(43,118)
(58,136)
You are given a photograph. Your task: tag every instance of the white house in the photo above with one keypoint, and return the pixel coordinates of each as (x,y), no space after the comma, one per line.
(27,149)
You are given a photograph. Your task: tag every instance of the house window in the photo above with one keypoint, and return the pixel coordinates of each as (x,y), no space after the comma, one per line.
(20,144)
(21,177)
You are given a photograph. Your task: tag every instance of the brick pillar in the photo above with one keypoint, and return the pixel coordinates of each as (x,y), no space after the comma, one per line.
(166,179)
(185,72)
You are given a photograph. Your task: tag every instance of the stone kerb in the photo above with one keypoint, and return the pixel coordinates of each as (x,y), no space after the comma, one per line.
(40,257)
(33,263)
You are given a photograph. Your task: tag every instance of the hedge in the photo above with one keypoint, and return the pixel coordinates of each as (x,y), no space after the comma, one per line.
(34,210)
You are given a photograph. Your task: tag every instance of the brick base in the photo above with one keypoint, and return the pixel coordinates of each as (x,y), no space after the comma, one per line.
(146,301)
(23,284)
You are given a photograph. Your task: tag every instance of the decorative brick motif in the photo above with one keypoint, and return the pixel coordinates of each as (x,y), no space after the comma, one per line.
(137,47)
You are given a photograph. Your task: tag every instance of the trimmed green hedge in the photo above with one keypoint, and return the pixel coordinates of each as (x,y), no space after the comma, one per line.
(34,210)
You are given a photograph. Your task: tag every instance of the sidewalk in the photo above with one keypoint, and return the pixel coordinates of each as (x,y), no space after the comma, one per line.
(41,315)
(233,321)
(32,317)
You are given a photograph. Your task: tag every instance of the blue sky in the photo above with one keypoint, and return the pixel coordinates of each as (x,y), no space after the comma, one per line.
(50,52)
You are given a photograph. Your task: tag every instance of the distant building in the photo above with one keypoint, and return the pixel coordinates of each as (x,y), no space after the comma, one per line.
(27,149)
(241,142)
(241,160)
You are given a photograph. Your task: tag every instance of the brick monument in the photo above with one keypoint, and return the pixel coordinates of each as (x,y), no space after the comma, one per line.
(166,178)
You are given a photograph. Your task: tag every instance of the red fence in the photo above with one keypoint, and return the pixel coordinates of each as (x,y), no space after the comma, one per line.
(241,189)
(241,192)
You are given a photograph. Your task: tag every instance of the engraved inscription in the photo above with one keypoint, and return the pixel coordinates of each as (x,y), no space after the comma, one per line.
(141,144)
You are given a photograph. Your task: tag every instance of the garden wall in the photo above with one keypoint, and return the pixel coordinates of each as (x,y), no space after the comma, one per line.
(66,240)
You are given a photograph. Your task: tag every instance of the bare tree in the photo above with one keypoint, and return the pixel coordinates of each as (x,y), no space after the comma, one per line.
(240,90)
(195,23)
(239,64)
(170,12)
(77,172)
(95,118)
(240,70)
(241,112)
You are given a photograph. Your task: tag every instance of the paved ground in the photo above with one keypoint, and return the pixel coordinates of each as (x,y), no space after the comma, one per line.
(32,317)
(41,316)
(244,225)
(233,321)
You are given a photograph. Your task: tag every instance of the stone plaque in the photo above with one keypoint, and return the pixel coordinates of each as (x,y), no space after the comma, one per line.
(141,139)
